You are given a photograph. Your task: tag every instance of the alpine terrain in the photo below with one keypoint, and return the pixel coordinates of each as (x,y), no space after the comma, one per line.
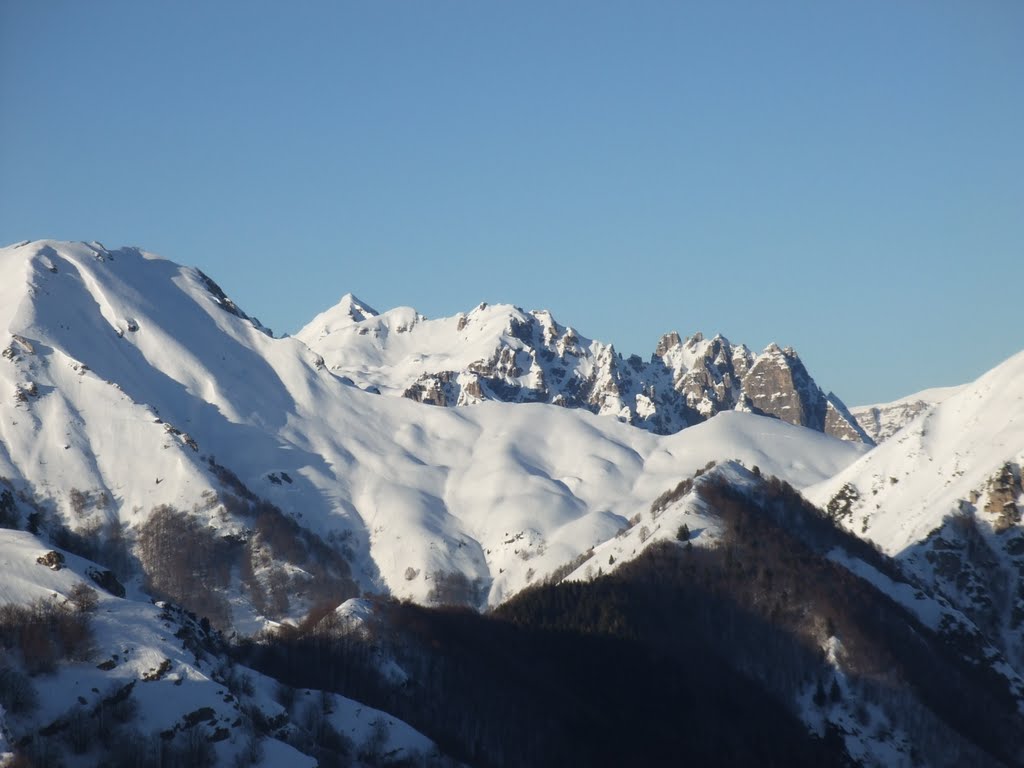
(219,546)
(883,420)
(502,353)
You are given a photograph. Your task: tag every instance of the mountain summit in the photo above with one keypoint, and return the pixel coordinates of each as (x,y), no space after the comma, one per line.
(500,352)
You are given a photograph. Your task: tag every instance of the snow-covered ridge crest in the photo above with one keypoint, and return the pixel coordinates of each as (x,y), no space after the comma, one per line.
(944,496)
(349,309)
(500,352)
(883,420)
(941,457)
(128,383)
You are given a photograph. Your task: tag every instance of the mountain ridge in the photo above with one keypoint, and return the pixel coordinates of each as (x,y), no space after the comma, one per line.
(944,495)
(882,420)
(159,443)
(120,359)
(501,352)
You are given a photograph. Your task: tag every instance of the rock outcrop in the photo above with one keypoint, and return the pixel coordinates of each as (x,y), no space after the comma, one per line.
(883,420)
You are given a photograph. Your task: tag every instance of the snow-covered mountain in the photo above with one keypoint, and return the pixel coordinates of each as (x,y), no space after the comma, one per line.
(944,496)
(135,383)
(736,513)
(882,420)
(500,352)
(157,442)
(150,424)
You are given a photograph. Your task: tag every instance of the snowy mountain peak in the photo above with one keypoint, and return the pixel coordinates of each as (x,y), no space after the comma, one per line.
(348,311)
(355,308)
(774,350)
(951,451)
(665,343)
(500,352)
(943,495)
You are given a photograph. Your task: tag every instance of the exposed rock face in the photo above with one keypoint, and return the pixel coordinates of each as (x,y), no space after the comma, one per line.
(1004,490)
(503,353)
(883,420)
(707,373)
(435,389)
(839,422)
(976,559)
(107,580)
(778,384)
(53,560)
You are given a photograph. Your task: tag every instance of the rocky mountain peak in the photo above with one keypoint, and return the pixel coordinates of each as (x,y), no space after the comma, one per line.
(667,342)
(779,384)
(500,352)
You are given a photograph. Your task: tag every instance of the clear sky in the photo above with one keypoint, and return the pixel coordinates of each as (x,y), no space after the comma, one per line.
(843,177)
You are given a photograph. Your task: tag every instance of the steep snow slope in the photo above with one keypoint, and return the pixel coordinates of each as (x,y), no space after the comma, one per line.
(126,374)
(882,420)
(503,353)
(944,494)
(923,473)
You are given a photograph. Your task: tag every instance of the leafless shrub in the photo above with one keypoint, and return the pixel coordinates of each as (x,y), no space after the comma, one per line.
(45,632)
(186,562)
(17,695)
(79,501)
(564,570)
(8,511)
(453,588)
(80,731)
(83,597)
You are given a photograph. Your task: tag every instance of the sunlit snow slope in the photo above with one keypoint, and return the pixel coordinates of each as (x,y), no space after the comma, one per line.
(944,495)
(882,420)
(123,374)
(908,485)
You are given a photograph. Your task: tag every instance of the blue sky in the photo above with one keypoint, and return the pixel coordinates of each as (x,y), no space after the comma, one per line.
(843,177)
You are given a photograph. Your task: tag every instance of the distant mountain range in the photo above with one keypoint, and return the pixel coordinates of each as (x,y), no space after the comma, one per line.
(278,497)
(500,352)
